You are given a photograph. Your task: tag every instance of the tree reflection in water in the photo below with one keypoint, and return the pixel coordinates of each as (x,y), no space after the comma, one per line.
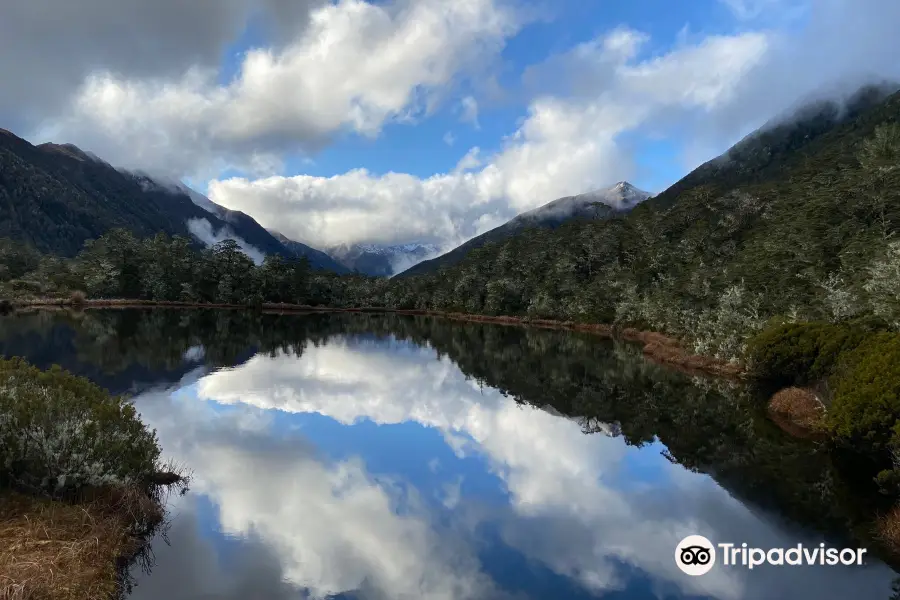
(709,426)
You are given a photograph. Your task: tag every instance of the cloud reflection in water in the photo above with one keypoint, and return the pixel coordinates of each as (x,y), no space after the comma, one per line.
(376,470)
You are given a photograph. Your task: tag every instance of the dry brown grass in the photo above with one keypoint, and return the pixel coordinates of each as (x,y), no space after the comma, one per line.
(670,353)
(53,550)
(800,408)
(887,529)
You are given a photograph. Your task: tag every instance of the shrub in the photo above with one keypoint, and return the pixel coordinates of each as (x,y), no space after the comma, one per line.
(60,432)
(888,482)
(800,353)
(27,286)
(866,406)
(887,528)
(78,298)
(800,406)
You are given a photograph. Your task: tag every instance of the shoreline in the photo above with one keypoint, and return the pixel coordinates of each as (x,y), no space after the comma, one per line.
(82,544)
(658,347)
(83,501)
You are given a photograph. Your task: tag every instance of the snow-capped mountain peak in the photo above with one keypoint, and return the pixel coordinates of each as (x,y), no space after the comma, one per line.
(390,250)
(379,259)
(621,196)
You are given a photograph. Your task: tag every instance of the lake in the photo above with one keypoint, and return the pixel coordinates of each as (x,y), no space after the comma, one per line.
(383,457)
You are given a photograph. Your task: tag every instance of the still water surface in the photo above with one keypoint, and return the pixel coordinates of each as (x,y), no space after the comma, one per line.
(366,457)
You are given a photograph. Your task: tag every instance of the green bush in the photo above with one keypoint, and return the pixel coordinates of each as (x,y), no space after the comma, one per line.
(888,482)
(60,432)
(800,353)
(866,407)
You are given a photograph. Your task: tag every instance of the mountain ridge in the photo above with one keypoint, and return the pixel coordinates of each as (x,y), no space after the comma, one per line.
(603,203)
(313,254)
(793,222)
(54,197)
(756,155)
(381,260)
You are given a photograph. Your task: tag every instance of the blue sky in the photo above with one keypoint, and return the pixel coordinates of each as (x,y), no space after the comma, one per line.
(420,149)
(329,120)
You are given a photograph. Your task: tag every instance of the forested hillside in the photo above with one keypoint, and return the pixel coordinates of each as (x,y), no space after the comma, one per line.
(54,198)
(600,204)
(799,220)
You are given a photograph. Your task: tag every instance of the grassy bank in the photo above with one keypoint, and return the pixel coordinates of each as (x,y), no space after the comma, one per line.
(80,485)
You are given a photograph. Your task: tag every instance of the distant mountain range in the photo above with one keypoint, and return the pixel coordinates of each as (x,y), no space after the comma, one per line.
(374,259)
(416,258)
(55,197)
(314,256)
(598,204)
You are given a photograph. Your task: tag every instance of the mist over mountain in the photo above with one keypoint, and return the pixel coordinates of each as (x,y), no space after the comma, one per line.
(591,205)
(597,204)
(382,260)
(762,153)
(316,257)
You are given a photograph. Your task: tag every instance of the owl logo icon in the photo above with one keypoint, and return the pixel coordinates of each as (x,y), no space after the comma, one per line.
(695,555)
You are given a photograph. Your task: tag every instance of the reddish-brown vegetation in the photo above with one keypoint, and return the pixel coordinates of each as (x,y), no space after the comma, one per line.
(798,411)
(887,529)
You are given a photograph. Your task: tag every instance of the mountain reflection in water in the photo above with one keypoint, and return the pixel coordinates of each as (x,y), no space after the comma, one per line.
(379,457)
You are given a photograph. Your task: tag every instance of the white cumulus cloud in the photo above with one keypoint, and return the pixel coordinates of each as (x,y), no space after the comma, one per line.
(564,146)
(328,68)
(356,66)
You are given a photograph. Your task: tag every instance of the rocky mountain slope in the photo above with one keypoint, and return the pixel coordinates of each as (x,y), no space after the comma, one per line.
(316,257)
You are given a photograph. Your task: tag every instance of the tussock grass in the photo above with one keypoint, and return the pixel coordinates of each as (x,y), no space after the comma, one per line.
(800,406)
(887,530)
(61,551)
(79,548)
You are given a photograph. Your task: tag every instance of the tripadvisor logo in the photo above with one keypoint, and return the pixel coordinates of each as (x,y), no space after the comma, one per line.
(696,555)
